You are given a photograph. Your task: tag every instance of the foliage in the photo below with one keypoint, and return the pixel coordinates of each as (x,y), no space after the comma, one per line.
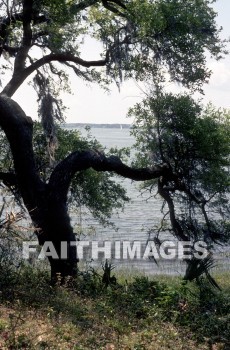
(198,267)
(43,40)
(139,38)
(163,309)
(96,191)
(159,35)
(195,143)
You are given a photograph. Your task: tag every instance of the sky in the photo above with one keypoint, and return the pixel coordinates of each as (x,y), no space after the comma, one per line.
(90,104)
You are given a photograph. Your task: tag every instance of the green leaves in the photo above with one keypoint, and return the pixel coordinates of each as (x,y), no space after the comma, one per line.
(195,142)
(160,36)
(173,36)
(96,191)
(144,39)
(182,133)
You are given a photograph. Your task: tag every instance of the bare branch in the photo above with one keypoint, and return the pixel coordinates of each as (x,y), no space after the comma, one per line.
(20,60)
(177,229)
(18,79)
(77,161)
(78,72)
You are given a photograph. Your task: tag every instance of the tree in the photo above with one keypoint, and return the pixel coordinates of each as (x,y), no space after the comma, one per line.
(194,141)
(93,190)
(41,39)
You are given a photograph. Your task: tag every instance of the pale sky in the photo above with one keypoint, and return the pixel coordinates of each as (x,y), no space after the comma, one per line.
(90,104)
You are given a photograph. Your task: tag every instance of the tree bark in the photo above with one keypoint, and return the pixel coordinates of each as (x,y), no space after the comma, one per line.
(47,202)
(48,213)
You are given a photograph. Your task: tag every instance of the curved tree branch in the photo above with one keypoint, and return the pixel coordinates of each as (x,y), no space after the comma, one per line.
(108,4)
(177,229)
(20,59)
(19,131)
(26,17)
(77,161)
(18,79)
(63,57)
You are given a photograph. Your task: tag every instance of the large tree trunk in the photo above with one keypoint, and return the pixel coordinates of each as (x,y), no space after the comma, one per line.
(53,226)
(47,209)
(57,229)
(47,202)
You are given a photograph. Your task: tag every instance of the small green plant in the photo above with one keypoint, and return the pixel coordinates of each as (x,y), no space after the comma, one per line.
(196,268)
(3,325)
(87,315)
(145,288)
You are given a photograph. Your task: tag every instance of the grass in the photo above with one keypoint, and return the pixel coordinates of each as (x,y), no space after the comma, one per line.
(138,313)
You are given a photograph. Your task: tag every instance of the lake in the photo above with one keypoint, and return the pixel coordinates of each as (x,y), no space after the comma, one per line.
(139,216)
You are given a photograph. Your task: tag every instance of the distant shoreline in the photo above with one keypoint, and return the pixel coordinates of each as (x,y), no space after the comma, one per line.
(92,125)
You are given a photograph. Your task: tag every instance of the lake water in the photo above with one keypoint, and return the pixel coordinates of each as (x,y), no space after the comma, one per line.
(139,216)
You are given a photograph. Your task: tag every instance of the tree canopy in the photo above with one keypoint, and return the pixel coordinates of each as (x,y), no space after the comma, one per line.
(195,143)
(138,38)
(145,39)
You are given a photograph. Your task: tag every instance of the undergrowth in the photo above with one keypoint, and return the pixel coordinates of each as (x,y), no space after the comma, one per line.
(138,313)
